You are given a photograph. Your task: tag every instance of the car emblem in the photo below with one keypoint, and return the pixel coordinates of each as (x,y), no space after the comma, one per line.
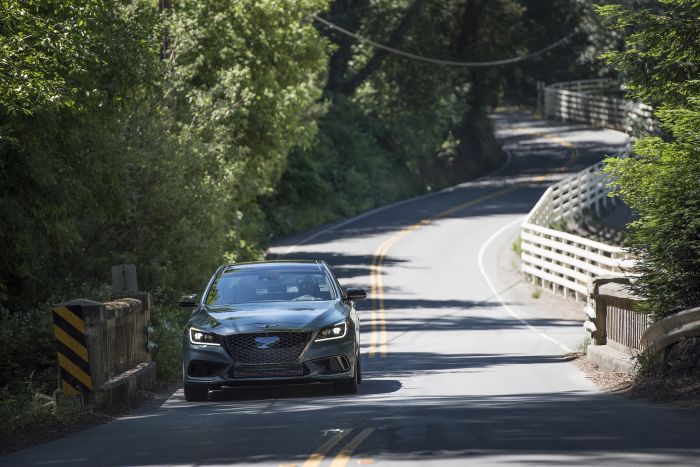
(265,342)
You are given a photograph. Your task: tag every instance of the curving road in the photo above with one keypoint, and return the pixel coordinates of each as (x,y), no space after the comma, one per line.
(458,367)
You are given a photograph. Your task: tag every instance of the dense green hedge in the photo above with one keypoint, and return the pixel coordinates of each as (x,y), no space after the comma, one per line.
(661,183)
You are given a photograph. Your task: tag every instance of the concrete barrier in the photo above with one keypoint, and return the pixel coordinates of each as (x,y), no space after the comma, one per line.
(614,324)
(619,332)
(103,348)
(670,330)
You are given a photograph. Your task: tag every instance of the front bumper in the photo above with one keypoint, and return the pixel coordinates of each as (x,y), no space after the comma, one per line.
(319,362)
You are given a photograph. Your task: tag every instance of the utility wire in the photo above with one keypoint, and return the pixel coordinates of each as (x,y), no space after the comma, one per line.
(438,61)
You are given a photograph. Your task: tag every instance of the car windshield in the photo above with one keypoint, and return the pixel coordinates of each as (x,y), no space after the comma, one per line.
(236,286)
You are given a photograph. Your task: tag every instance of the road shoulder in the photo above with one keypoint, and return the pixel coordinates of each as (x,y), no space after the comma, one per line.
(52,429)
(682,393)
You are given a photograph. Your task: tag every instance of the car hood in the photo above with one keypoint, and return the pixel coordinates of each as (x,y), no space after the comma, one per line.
(250,317)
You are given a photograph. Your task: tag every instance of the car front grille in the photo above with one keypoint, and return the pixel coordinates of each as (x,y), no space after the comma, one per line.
(267,347)
(268,372)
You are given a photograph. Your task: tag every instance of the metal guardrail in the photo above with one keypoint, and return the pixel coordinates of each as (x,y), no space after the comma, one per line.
(596,103)
(564,262)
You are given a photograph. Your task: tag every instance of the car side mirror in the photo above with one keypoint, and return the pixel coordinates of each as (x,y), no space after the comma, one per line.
(188,301)
(355,294)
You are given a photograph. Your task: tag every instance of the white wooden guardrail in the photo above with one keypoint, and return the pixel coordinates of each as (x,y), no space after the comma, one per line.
(597,102)
(559,261)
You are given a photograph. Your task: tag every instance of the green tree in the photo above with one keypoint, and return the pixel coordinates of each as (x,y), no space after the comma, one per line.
(241,88)
(396,127)
(74,82)
(116,149)
(661,183)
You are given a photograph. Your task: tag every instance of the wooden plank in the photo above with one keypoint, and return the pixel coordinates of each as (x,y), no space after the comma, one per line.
(555,279)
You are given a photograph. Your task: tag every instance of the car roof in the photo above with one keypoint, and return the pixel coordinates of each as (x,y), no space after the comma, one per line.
(277,264)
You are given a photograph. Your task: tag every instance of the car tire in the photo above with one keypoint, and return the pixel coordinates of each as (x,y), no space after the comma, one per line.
(196,393)
(348,386)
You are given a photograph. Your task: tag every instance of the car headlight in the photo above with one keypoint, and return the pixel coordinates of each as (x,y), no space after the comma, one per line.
(335,331)
(199,337)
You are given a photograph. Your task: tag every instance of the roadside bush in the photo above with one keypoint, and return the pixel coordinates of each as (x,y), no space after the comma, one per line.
(29,352)
(345,170)
(662,185)
(169,322)
(27,413)
(23,407)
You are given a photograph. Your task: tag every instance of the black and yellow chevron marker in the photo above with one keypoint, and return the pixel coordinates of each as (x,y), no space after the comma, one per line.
(71,345)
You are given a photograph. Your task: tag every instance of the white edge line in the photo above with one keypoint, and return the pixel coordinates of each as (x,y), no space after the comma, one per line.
(486,244)
(305,240)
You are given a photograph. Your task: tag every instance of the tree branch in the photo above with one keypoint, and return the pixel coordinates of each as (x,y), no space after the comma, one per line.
(350,85)
(346,13)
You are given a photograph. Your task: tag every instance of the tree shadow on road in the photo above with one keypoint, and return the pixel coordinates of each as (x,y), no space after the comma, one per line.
(555,428)
(406,364)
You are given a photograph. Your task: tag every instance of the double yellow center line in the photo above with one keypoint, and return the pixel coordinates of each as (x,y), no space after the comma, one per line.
(378,339)
(342,458)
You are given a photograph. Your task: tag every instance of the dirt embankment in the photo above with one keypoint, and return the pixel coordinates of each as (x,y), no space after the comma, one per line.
(676,379)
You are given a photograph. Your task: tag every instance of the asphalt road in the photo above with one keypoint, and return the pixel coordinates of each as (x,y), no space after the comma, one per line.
(457,368)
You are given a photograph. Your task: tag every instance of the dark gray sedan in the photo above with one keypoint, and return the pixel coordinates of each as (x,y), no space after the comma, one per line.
(272,322)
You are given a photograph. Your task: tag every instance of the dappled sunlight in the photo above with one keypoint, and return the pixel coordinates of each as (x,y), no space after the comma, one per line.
(562,427)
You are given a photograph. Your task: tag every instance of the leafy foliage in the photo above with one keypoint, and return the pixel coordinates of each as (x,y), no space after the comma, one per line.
(180,139)
(64,151)
(397,127)
(661,183)
(169,322)
(660,60)
(110,154)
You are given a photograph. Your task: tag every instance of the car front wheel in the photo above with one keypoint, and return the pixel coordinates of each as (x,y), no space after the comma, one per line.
(196,392)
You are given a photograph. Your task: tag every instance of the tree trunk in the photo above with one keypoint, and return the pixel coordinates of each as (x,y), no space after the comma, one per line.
(344,13)
(373,64)
(348,14)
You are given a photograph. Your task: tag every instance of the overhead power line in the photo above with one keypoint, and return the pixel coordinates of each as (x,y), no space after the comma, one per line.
(438,61)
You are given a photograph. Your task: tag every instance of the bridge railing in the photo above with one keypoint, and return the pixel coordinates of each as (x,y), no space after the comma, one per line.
(560,261)
(613,316)
(614,320)
(597,102)
(104,349)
